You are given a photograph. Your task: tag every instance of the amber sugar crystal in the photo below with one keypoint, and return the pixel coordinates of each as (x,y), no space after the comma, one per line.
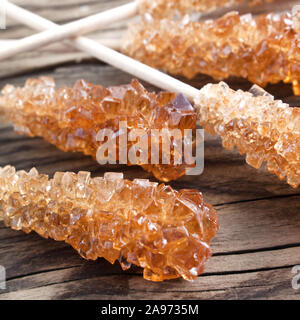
(264,129)
(70,118)
(166,232)
(170,8)
(264,49)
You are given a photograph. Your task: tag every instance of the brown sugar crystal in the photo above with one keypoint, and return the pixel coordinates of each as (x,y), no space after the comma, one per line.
(166,232)
(264,129)
(169,8)
(70,118)
(264,49)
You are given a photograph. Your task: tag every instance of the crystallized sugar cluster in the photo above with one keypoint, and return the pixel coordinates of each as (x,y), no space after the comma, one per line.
(138,222)
(264,129)
(70,118)
(265,49)
(169,8)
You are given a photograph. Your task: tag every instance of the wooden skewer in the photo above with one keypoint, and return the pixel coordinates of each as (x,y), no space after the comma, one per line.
(104,54)
(57,33)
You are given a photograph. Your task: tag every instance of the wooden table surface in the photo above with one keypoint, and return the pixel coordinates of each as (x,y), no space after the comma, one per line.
(259,239)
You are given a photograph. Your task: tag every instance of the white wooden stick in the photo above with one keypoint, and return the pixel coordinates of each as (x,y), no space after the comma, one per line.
(110,56)
(57,33)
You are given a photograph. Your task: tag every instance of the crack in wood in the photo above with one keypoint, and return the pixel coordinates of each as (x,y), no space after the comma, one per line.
(257,199)
(235,272)
(275,248)
(41,272)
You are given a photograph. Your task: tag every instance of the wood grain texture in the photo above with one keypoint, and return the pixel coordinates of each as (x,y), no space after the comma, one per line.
(254,251)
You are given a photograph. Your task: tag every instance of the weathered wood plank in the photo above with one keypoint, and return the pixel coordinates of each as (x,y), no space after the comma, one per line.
(259,239)
(269,284)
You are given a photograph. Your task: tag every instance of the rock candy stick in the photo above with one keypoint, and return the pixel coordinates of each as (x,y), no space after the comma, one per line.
(166,232)
(70,118)
(264,129)
(264,49)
